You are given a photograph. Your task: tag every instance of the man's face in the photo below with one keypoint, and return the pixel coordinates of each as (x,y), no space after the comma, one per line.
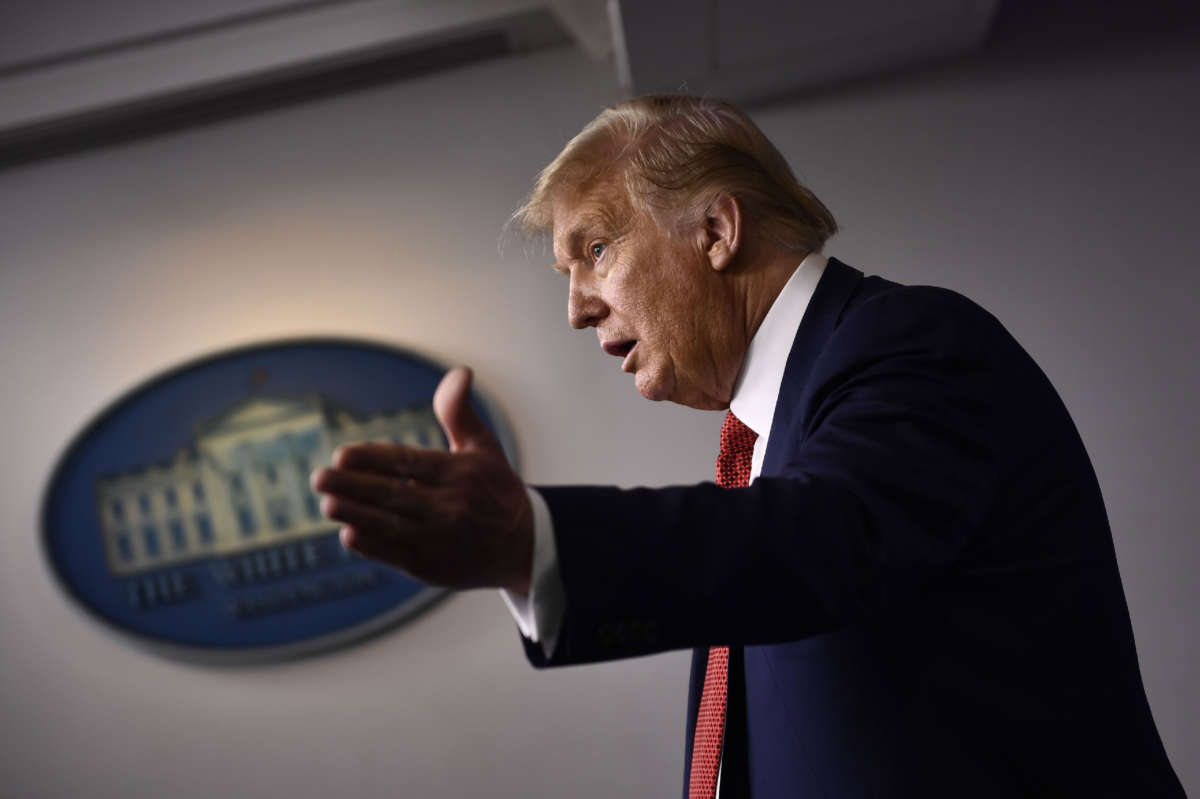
(654,299)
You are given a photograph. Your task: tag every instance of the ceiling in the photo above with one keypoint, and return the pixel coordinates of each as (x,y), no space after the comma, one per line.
(83,73)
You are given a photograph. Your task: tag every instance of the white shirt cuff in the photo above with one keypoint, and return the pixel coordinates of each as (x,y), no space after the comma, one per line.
(539,615)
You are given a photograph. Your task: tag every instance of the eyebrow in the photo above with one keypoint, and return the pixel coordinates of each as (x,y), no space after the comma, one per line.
(589,221)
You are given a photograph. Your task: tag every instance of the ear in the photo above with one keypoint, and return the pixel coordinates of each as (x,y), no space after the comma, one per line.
(722,231)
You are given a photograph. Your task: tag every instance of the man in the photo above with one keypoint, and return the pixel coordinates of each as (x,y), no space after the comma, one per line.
(904,582)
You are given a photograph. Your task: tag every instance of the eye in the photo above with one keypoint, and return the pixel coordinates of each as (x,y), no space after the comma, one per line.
(597,250)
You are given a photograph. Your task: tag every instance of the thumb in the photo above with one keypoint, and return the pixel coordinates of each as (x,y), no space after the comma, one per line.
(452,406)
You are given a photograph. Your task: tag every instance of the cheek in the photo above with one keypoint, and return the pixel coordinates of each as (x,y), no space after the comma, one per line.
(634,297)
(651,295)
(649,311)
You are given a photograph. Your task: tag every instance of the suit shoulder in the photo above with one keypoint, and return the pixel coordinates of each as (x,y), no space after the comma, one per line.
(895,298)
(904,316)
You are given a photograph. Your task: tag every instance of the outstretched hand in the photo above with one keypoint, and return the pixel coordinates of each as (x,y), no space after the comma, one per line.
(460,518)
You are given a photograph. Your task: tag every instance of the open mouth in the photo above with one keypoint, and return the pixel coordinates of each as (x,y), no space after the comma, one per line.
(620,348)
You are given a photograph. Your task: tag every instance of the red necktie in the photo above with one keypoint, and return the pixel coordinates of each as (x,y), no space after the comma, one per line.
(733,471)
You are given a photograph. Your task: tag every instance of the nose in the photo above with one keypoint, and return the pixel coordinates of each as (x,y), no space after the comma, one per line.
(585,308)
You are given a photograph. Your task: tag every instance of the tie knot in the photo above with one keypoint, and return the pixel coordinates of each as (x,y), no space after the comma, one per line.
(737,453)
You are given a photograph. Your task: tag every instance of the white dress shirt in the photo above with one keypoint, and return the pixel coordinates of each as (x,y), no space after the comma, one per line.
(539,616)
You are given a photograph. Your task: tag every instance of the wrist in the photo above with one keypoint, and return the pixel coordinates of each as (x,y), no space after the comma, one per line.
(521,581)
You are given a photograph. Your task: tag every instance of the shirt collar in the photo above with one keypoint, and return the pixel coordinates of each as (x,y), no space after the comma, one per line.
(757,387)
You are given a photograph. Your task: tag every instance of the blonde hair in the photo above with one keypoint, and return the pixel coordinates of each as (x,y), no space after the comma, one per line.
(673,155)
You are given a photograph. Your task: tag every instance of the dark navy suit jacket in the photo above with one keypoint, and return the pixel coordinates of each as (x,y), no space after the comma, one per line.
(920,591)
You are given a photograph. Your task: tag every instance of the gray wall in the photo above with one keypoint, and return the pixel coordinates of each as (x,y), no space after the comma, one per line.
(1060,194)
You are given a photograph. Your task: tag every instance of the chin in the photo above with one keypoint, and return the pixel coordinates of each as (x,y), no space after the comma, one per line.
(656,387)
(651,388)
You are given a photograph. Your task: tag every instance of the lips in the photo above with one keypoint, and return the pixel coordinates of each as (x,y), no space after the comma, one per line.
(622,348)
(619,347)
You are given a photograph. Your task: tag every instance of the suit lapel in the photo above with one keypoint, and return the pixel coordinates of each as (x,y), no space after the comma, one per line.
(833,291)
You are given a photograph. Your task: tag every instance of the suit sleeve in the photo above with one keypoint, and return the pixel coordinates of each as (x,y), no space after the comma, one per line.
(891,468)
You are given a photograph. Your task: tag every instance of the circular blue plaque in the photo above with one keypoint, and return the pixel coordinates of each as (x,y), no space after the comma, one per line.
(182,516)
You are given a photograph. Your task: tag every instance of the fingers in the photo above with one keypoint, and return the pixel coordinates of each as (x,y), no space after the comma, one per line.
(360,515)
(368,529)
(387,495)
(452,406)
(426,465)
(389,549)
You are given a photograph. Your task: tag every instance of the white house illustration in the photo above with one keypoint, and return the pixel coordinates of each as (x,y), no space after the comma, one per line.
(241,483)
